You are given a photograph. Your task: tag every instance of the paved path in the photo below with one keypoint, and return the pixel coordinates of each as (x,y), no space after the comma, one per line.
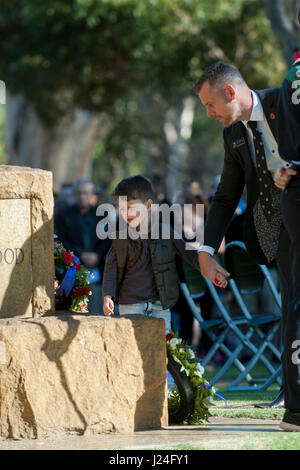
(220,433)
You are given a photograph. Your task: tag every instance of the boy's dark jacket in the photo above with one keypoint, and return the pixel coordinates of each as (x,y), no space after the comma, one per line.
(163,261)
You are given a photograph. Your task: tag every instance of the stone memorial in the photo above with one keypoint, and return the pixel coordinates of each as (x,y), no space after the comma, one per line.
(26,242)
(82,374)
(65,373)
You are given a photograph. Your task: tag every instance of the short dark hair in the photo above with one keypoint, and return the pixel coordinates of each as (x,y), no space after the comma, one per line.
(135,187)
(219,74)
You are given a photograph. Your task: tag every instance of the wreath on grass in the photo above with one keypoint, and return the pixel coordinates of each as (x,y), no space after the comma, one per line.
(190,387)
(72,289)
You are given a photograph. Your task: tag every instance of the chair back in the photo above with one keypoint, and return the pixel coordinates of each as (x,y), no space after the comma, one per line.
(246,273)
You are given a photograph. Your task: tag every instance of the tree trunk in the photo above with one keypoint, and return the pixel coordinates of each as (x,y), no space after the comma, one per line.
(66,149)
(178,130)
(286,31)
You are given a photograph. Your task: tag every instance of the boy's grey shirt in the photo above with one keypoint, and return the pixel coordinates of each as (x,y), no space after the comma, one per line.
(139,284)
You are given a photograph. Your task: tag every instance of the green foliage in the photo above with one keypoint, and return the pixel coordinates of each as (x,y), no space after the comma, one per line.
(188,38)
(78,297)
(90,53)
(108,55)
(184,356)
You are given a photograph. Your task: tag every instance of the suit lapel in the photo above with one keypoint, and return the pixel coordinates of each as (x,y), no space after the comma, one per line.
(269,100)
(240,135)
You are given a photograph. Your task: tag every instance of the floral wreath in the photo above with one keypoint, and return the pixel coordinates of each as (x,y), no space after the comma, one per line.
(72,289)
(191,366)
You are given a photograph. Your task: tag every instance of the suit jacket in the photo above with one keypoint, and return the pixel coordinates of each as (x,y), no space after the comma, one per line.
(239,170)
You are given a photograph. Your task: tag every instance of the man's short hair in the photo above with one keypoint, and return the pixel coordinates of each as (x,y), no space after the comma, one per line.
(135,187)
(217,75)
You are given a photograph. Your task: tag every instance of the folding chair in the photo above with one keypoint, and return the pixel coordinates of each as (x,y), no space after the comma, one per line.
(246,278)
(193,287)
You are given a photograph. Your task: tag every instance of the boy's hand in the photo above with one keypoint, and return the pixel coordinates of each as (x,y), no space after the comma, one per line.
(108,305)
(211,270)
(283,176)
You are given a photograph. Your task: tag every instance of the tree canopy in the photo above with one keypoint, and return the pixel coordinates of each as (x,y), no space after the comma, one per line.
(60,52)
(132,60)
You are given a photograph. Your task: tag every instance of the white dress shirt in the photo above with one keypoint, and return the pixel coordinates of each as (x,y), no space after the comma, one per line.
(274,161)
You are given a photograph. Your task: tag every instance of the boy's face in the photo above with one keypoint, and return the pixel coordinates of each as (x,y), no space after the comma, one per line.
(134,211)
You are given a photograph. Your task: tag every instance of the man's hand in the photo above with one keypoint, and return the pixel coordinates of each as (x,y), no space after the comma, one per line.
(211,270)
(283,176)
(108,305)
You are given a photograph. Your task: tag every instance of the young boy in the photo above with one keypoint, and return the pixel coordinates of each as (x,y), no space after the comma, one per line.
(140,274)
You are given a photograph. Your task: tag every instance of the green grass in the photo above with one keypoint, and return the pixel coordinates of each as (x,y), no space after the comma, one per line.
(241,403)
(256,441)
(264,441)
(258,371)
(182,446)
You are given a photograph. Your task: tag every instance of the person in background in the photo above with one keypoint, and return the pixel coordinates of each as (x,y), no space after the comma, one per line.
(98,196)
(63,199)
(159,189)
(75,227)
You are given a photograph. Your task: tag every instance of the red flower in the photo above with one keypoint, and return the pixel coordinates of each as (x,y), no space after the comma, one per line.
(169,336)
(79,292)
(68,257)
(77,266)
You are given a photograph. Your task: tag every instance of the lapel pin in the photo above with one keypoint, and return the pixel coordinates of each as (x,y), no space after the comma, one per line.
(238,143)
(272,116)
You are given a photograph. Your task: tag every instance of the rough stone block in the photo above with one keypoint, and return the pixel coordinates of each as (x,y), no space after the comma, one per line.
(26,242)
(85,374)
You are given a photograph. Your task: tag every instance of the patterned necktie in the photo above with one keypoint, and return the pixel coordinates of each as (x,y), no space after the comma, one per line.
(266,211)
(262,172)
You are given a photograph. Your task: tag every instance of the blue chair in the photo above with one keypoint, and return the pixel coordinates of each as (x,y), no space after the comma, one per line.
(248,278)
(194,286)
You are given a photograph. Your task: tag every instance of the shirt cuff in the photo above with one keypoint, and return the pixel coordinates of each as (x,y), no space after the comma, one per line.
(110,295)
(207,249)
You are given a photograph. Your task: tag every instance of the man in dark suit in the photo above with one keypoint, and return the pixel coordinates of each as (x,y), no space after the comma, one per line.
(251,159)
